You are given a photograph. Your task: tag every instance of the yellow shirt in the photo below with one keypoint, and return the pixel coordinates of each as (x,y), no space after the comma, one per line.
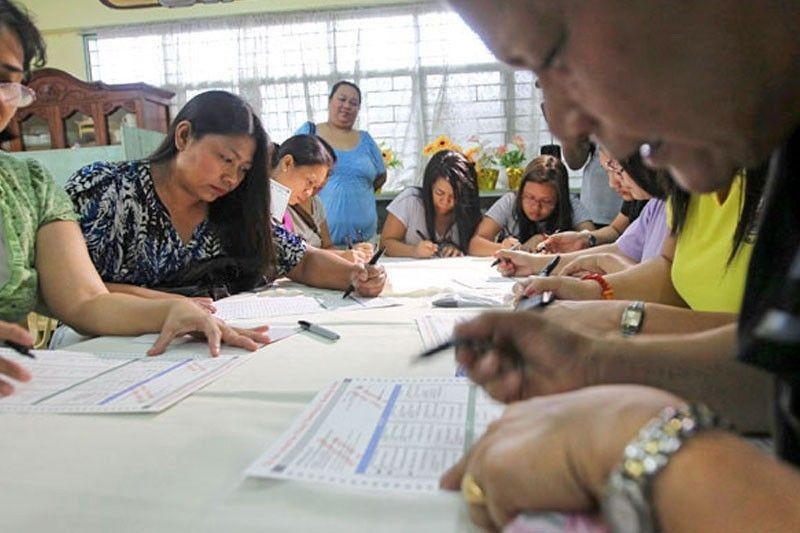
(700,270)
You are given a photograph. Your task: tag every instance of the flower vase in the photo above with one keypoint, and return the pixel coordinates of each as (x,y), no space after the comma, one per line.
(514,176)
(487,179)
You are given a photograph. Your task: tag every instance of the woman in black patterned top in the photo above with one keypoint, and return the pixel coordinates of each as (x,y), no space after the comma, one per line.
(202,194)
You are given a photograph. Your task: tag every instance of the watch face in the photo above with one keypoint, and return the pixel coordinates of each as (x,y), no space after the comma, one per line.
(631,316)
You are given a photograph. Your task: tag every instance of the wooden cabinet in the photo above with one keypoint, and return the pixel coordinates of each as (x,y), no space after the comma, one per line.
(69,112)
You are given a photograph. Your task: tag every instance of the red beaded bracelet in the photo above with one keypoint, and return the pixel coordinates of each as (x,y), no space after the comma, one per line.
(607,292)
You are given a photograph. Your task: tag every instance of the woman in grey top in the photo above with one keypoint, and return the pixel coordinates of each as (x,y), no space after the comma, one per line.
(540,207)
(439,218)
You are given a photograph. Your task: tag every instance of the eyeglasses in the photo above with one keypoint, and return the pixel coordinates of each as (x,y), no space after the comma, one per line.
(16,94)
(545,203)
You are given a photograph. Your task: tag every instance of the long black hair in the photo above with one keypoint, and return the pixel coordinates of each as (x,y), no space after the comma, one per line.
(755,180)
(241,216)
(459,172)
(547,170)
(655,182)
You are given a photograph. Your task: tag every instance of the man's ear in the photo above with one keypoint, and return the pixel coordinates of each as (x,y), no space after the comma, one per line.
(183,132)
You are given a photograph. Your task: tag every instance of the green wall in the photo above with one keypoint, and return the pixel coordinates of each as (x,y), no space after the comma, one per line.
(63,21)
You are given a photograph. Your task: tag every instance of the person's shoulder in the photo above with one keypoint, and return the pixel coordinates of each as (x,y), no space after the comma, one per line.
(408,195)
(104,175)
(306,127)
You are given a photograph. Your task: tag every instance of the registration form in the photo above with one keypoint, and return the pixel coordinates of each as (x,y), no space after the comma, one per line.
(381,433)
(76,382)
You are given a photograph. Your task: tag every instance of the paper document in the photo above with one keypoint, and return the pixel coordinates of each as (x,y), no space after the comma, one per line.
(487,282)
(381,433)
(352,303)
(265,306)
(73,382)
(436,329)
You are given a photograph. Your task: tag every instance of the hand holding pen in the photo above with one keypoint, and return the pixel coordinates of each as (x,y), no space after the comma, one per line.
(426,248)
(19,340)
(370,279)
(516,355)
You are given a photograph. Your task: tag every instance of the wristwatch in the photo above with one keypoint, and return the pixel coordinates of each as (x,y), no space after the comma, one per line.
(626,503)
(630,323)
(590,238)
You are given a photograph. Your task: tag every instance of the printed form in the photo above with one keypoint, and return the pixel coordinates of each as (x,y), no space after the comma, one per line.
(73,382)
(381,433)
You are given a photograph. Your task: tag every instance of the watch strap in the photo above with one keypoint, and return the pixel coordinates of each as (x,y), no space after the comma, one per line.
(647,455)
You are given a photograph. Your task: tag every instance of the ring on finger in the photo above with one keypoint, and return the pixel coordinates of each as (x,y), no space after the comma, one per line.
(471,491)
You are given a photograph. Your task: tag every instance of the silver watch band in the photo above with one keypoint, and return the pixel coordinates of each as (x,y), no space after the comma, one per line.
(627,499)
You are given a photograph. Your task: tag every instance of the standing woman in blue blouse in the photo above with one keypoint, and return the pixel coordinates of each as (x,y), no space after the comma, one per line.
(202,195)
(349,196)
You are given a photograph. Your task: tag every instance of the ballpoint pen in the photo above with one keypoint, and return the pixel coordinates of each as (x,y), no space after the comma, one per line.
(497,261)
(372,261)
(19,348)
(549,267)
(537,301)
(319,330)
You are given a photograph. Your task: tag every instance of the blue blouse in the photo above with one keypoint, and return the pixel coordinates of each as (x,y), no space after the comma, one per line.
(349,195)
(129,232)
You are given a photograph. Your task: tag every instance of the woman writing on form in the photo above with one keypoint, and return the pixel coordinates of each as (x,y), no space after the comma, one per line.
(45,264)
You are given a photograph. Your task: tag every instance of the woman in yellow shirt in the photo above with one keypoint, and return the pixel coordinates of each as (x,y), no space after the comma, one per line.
(702,267)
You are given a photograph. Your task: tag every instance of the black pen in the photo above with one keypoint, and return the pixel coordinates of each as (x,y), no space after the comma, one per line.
(372,261)
(525,304)
(19,348)
(319,330)
(497,261)
(549,267)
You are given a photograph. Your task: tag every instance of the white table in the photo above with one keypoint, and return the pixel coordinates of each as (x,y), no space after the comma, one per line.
(182,470)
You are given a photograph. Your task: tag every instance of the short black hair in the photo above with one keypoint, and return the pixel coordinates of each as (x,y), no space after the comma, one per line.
(17,19)
(349,84)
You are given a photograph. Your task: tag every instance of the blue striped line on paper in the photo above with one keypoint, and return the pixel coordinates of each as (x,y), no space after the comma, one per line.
(376,436)
(139,384)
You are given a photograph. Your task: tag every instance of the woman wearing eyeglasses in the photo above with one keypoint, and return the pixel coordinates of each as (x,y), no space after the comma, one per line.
(44,263)
(541,206)
(572,241)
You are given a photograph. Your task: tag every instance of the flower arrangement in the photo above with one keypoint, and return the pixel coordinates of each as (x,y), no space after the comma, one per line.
(482,154)
(442,142)
(390,160)
(512,155)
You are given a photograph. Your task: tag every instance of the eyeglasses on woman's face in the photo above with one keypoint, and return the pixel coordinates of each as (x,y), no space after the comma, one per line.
(543,203)
(16,94)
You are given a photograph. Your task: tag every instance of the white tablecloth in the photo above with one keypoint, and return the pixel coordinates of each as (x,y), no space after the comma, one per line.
(182,470)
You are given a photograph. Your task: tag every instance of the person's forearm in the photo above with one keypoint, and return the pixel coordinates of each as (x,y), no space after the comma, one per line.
(481,246)
(324,269)
(606,234)
(615,262)
(650,281)
(397,248)
(699,367)
(533,242)
(142,292)
(118,314)
(604,316)
(718,482)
